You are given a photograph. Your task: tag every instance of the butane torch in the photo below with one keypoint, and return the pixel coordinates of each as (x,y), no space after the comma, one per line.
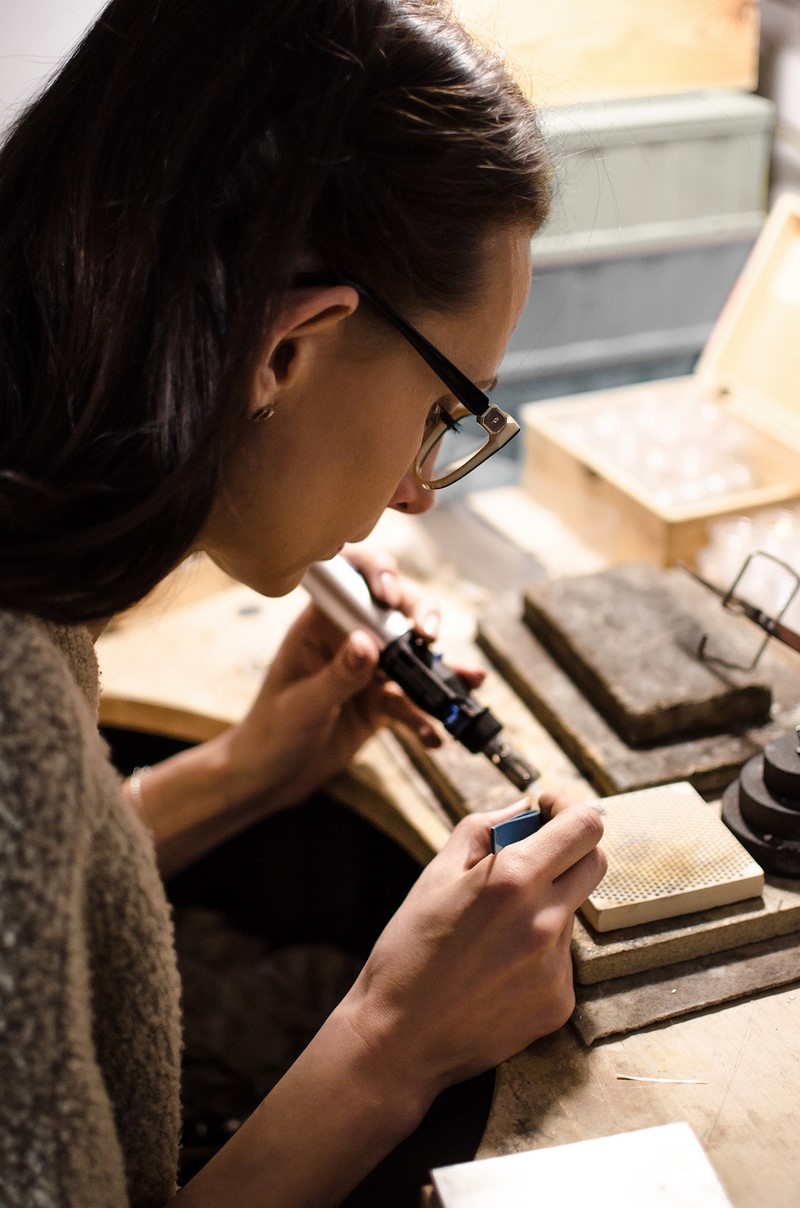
(406,657)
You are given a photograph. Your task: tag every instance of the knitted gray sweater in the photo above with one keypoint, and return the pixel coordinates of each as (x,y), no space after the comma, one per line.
(89,1025)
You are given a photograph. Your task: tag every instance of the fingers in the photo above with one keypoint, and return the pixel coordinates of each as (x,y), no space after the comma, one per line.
(552,803)
(578,882)
(421,609)
(570,835)
(385,583)
(394,705)
(473,677)
(380,571)
(470,841)
(356,661)
(314,634)
(344,676)
(564,854)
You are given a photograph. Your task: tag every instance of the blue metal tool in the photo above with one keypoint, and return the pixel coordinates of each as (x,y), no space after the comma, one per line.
(506,833)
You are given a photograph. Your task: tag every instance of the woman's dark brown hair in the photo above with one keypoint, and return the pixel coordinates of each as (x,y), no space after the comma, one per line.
(153,204)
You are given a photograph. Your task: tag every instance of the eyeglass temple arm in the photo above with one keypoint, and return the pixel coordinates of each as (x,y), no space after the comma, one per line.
(776,629)
(473,398)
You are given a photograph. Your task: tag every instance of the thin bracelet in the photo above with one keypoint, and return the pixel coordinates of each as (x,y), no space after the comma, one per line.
(135,786)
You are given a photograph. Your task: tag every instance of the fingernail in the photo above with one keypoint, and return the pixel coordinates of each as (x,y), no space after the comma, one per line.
(355,657)
(390,588)
(430,625)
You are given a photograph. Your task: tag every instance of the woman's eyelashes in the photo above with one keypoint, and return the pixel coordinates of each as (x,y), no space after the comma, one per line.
(439,414)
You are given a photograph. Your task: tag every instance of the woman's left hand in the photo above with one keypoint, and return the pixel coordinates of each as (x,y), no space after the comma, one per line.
(323,696)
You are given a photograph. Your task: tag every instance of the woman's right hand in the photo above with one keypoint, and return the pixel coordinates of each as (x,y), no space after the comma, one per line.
(475,965)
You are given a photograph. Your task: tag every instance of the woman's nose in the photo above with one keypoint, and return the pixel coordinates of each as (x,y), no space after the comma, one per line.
(411,496)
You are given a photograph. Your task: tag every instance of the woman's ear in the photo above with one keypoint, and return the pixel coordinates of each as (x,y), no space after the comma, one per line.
(306,315)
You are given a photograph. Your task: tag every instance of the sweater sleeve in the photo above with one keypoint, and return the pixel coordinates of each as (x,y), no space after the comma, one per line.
(58,1139)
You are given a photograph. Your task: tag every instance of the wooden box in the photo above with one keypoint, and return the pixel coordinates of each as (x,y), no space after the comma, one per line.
(578,50)
(746,380)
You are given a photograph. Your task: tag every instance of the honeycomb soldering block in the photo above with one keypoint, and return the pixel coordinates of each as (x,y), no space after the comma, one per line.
(668,854)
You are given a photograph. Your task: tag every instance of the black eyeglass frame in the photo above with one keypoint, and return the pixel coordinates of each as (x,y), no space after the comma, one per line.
(498,425)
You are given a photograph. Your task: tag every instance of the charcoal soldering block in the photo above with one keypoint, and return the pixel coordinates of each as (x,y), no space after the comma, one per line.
(515,829)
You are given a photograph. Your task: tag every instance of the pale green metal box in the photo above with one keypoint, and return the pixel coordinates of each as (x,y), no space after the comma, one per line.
(629,174)
(657,203)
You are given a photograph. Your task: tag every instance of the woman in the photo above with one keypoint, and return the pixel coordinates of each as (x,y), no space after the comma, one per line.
(174,380)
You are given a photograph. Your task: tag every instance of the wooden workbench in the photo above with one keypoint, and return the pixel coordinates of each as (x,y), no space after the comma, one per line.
(190,662)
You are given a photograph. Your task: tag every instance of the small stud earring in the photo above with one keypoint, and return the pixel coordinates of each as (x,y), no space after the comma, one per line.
(262,414)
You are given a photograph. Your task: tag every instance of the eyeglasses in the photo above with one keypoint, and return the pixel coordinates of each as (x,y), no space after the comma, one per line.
(446,453)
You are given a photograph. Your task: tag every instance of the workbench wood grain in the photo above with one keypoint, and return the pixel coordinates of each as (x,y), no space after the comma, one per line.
(744,1105)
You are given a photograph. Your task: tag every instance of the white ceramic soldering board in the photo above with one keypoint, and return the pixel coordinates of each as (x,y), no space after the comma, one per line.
(664,1167)
(668,854)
